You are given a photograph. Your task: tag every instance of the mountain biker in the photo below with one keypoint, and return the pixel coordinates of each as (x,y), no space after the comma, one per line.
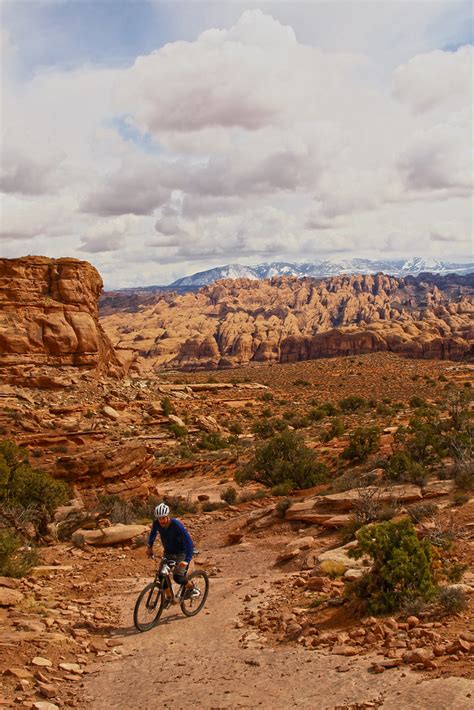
(177,544)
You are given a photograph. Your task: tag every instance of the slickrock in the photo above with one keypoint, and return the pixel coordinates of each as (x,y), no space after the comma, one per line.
(49,324)
(288,319)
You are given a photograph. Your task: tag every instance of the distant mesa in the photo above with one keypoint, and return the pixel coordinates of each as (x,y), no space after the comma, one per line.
(285,319)
(49,322)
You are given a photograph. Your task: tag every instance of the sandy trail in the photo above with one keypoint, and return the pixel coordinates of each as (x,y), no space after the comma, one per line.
(199,663)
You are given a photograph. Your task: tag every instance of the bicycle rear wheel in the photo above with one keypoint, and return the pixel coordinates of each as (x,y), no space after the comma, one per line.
(148,607)
(192,605)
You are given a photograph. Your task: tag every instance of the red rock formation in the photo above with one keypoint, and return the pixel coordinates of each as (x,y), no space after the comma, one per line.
(287,319)
(49,324)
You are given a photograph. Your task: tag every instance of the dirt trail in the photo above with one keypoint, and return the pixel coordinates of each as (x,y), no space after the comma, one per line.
(200,663)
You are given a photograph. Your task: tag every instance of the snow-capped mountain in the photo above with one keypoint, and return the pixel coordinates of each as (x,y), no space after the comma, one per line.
(321,269)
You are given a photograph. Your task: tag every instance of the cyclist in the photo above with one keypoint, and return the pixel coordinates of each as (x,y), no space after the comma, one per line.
(177,545)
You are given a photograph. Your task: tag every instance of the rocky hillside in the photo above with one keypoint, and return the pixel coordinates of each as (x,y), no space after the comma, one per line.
(286,319)
(49,323)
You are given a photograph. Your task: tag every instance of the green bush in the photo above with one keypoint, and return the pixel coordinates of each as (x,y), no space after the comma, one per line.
(229,495)
(401,467)
(362,442)
(179,431)
(282,489)
(266,397)
(167,406)
(401,568)
(263,429)
(285,459)
(351,404)
(235,428)
(212,441)
(326,409)
(16,558)
(336,429)
(25,493)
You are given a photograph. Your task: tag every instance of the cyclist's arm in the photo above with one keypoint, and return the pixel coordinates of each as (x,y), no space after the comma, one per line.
(187,542)
(153,534)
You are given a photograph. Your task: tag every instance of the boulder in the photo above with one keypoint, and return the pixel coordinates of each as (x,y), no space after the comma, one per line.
(112,535)
(10,597)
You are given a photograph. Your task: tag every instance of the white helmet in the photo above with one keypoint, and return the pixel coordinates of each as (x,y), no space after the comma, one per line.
(161,510)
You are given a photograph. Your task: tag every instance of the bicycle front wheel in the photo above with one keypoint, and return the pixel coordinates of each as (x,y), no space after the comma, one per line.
(149,607)
(194,599)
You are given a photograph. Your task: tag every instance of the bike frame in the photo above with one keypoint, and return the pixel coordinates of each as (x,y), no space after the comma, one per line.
(163,578)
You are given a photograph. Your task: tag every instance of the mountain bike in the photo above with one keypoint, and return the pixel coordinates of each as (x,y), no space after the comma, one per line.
(153,599)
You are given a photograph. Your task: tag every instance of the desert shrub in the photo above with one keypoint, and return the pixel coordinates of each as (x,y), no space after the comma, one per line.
(326,409)
(401,566)
(280,424)
(423,440)
(401,467)
(229,495)
(212,441)
(336,429)
(452,599)
(167,406)
(282,489)
(420,511)
(16,558)
(282,506)
(299,422)
(416,402)
(179,431)
(266,397)
(284,458)
(362,442)
(332,568)
(460,499)
(119,510)
(301,383)
(208,506)
(266,412)
(351,404)
(235,428)
(263,429)
(26,495)
(454,571)
(413,606)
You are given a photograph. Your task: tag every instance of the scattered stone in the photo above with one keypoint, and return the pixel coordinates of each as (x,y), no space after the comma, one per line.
(110,412)
(42,662)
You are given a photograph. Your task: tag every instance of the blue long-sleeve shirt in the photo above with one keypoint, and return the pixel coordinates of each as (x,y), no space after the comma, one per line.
(175,538)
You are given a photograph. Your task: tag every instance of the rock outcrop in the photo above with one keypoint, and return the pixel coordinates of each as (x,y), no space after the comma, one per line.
(233,322)
(49,324)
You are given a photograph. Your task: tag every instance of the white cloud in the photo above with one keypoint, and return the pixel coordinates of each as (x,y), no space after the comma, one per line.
(436,80)
(263,147)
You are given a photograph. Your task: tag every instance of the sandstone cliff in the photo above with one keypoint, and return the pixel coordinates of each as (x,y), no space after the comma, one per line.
(49,324)
(288,319)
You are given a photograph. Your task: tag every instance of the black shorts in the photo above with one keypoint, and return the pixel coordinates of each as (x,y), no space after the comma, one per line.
(179,557)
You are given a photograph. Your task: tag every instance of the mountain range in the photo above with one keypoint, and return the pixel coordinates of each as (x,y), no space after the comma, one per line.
(322,269)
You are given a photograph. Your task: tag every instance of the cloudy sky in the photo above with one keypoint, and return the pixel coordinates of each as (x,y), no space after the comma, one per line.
(158,138)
